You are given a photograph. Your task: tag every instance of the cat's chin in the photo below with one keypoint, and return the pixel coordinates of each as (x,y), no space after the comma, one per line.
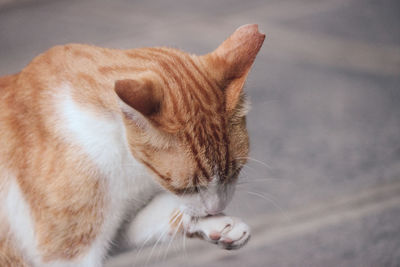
(193,212)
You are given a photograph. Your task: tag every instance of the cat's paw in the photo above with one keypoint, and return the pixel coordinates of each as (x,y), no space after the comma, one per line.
(227,232)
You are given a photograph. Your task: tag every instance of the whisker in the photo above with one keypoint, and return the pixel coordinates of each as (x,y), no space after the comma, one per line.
(242,182)
(243,173)
(256,160)
(154,246)
(271,200)
(166,227)
(173,237)
(141,247)
(184,242)
(246,166)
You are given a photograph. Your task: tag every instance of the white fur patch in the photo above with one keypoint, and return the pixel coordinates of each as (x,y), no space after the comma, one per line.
(101,136)
(20,221)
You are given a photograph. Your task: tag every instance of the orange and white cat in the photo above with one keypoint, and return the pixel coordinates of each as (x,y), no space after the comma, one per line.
(90,136)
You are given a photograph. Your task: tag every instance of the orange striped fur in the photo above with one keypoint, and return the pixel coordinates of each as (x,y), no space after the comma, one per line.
(194,129)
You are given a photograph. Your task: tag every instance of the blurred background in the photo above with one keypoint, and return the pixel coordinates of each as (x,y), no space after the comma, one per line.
(323,185)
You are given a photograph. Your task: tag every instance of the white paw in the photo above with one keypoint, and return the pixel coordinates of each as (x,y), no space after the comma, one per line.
(227,232)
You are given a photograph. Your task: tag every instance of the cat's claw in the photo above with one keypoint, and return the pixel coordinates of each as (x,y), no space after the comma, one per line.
(227,232)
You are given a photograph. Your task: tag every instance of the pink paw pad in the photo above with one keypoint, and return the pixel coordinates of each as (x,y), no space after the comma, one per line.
(215,236)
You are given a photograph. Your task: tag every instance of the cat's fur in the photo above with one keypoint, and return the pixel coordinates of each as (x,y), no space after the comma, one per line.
(90,134)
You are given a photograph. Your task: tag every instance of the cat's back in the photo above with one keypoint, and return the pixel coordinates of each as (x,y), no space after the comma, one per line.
(7,85)
(65,87)
(57,117)
(8,120)
(7,81)
(31,101)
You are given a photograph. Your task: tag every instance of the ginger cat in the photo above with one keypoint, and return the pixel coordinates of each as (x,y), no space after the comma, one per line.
(89,135)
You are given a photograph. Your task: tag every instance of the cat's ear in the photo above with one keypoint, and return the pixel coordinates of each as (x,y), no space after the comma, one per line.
(233,59)
(141,98)
(142,95)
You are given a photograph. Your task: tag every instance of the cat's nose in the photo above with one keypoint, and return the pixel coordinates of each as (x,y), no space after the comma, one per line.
(215,200)
(215,207)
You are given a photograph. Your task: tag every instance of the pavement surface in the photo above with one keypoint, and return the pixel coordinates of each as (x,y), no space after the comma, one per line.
(323,188)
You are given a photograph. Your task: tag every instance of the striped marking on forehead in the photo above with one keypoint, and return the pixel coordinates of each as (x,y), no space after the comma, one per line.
(208,134)
(198,104)
(184,75)
(209,145)
(188,89)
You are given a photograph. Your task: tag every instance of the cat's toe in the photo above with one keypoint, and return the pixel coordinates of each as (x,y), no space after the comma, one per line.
(227,232)
(236,237)
(212,228)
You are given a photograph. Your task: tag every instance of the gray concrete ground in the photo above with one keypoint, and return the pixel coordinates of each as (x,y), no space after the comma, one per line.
(324,186)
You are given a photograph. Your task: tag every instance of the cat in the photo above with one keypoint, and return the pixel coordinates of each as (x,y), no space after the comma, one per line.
(90,136)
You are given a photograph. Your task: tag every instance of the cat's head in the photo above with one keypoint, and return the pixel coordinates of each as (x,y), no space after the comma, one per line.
(185,118)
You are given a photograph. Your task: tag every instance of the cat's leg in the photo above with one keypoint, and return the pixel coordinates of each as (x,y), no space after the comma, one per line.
(158,221)
(161,220)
